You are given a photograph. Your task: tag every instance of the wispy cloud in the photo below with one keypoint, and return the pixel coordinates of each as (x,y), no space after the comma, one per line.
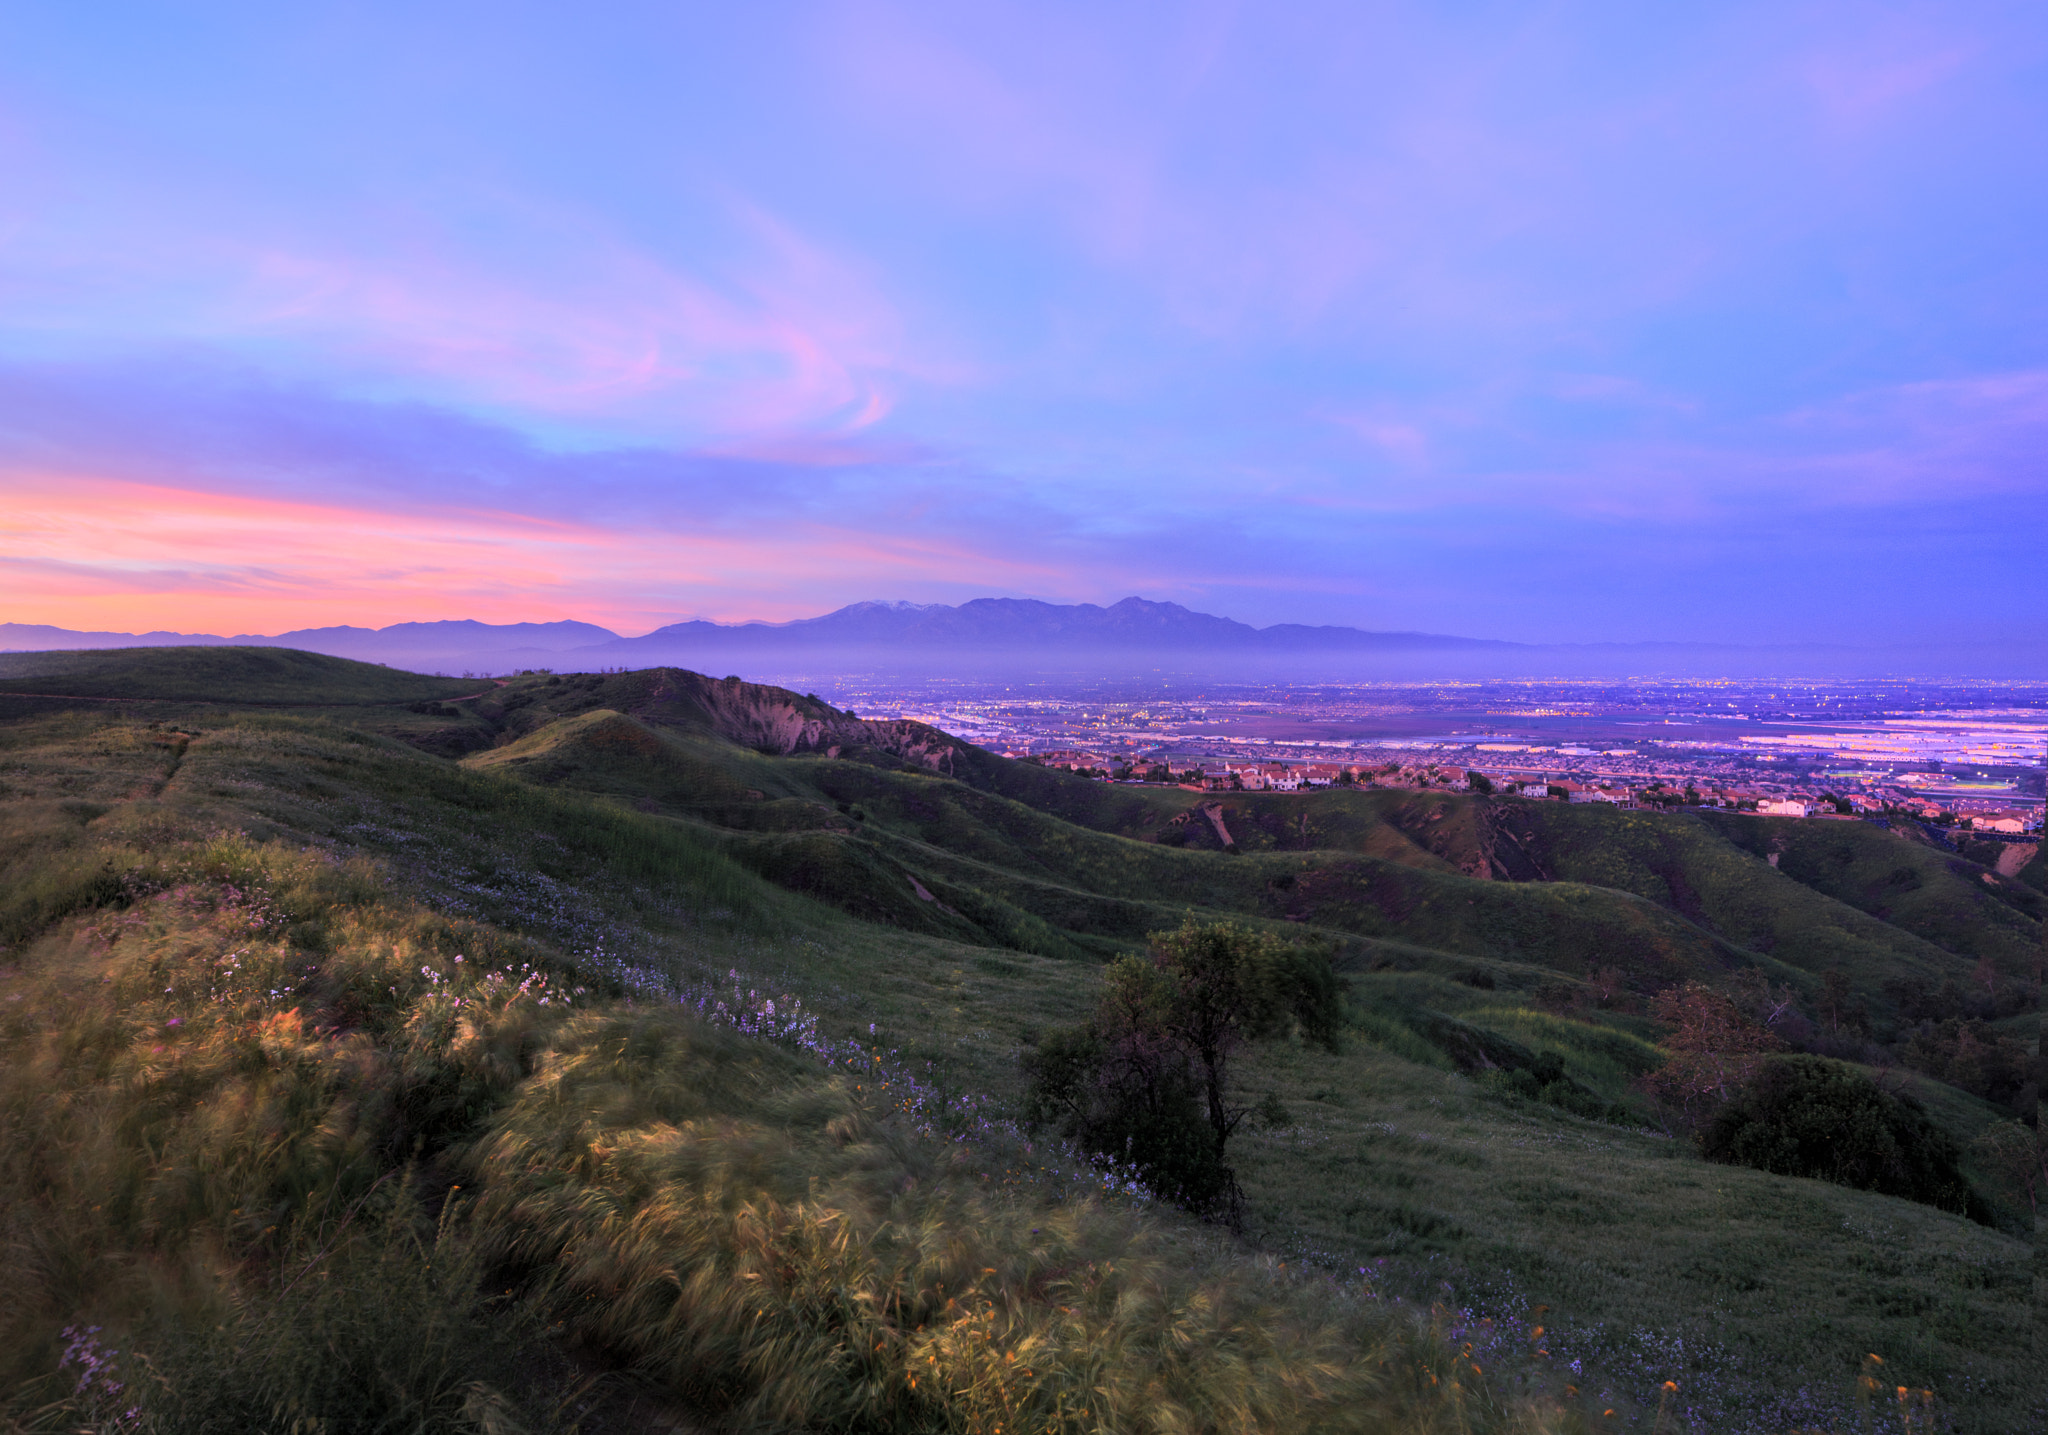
(556,314)
(176,507)
(1397,314)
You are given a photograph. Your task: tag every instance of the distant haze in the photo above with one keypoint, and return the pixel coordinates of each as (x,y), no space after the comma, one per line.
(989,636)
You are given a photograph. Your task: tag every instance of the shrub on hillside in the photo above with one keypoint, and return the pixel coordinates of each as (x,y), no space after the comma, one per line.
(1147,1081)
(1975,1058)
(1136,1102)
(1716,1050)
(1546,1079)
(2012,1152)
(1804,1116)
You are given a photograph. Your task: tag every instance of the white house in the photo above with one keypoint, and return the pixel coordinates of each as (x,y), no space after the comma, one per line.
(1786,807)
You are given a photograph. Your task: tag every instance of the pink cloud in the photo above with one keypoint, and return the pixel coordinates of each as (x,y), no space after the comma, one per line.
(1404,442)
(507,301)
(80,550)
(1888,66)
(624,336)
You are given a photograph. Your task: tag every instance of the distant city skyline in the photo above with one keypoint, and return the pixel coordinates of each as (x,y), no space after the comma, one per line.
(1587,324)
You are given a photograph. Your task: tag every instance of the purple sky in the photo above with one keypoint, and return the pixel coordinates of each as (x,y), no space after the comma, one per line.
(1556,321)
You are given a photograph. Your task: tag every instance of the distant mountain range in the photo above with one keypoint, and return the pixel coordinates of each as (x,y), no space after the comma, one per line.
(985,626)
(1004,635)
(1023,624)
(425,647)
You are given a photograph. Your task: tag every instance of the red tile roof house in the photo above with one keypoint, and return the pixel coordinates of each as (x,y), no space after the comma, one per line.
(2012,822)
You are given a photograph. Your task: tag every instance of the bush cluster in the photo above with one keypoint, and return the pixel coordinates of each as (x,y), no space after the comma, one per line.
(1806,1116)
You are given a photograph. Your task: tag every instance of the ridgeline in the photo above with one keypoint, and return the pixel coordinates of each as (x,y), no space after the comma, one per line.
(614,1051)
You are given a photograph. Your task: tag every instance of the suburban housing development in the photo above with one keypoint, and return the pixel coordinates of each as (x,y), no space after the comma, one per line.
(1968,757)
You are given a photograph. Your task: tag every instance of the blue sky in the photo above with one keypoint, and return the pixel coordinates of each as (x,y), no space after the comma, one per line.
(1566,322)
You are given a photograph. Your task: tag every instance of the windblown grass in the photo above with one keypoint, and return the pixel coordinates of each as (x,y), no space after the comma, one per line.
(741,1226)
(381,1324)
(231,1101)
(168,1183)
(226,1064)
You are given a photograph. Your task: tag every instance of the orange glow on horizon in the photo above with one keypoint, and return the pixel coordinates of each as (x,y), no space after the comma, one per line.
(114,554)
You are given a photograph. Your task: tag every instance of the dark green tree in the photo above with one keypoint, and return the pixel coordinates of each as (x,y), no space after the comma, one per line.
(1806,1116)
(1147,1080)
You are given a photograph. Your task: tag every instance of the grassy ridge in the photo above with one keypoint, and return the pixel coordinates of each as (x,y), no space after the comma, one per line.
(1937,895)
(609,844)
(1084,882)
(1683,864)
(258,1091)
(228,675)
(1810,913)
(1705,906)
(1839,895)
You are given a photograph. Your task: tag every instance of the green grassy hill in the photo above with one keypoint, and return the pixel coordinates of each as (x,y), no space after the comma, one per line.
(868,836)
(220,675)
(265,1065)
(1876,904)
(1901,878)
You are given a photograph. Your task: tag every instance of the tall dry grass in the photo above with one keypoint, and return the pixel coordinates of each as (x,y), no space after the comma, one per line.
(744,1230)
(203,1086)
(271,1129)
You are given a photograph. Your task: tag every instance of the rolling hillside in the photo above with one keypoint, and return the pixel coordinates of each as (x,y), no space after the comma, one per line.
(923,909)
(1466,875)
(239,676)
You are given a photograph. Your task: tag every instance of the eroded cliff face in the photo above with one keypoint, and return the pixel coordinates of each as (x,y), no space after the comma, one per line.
(767,719)
(2015,857)
(774,720)
(912,741)
(1510,849)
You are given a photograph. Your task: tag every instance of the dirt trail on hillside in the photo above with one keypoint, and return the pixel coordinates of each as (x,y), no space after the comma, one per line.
(2015,856)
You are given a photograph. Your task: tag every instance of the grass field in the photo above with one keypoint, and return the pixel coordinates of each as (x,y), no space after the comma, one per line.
(768,1237)
(241,676)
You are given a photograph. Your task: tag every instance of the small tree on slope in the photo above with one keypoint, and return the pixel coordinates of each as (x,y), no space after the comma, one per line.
(1148,1079)
(1715,1048)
